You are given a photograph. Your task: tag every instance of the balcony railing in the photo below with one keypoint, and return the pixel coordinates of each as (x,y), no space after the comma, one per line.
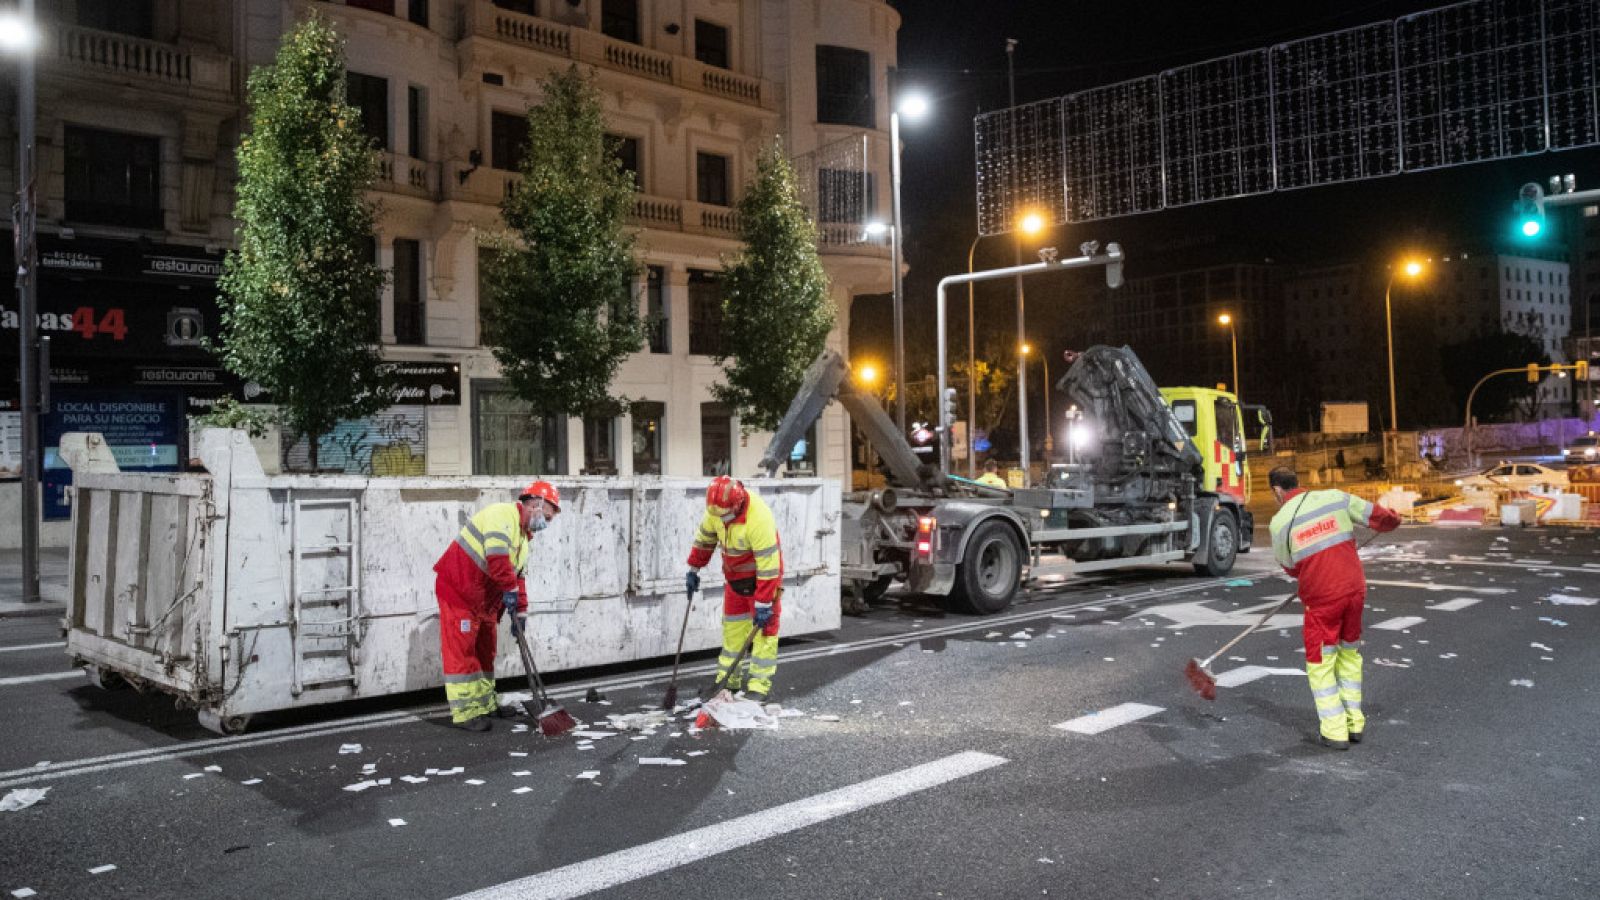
(168,66)
(485,20)
(406,175)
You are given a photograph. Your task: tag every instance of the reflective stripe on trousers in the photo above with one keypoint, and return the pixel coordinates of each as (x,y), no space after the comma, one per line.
(470,696)
(759,665)
(1325,692)
(1347,668)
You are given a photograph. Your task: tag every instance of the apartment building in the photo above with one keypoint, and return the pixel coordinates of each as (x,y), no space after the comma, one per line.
(141,103)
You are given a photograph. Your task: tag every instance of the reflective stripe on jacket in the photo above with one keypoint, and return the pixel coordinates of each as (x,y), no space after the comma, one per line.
(750,551)
(496,548)
(1313,538)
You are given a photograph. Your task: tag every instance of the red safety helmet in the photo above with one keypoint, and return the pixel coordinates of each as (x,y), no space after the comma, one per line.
(726,498)
(544,490)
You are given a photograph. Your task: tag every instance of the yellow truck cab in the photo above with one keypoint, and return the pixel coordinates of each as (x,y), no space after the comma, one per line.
(1225,432)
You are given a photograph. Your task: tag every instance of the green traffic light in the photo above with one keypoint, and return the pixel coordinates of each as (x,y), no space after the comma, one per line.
(1531,228)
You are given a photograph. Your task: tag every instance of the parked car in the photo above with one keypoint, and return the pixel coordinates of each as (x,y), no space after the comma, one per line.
(1583,451)
(1514,477)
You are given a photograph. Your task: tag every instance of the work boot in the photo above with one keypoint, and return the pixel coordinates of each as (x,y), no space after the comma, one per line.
(758,696)
(1355,737)
(1332,744)
(476,723)
(507,711)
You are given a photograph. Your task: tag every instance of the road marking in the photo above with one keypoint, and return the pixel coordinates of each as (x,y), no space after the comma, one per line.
(1107,719)
(47,676)
(1399,623)
(1585,569)
(1433,586)
(645,860)
(1455,605)
(32,647)
(1247,674)
(69,768)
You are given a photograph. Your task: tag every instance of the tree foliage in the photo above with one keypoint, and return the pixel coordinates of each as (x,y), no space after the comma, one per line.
(560,315)
(776,311)
(1470,360)
(299,294)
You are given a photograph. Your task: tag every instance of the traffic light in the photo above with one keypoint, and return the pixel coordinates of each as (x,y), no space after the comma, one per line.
(947,410)
(1580,370)
(1533,373)
(1530,210)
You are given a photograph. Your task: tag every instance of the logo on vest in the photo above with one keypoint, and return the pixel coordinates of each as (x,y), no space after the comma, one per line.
(1312,532)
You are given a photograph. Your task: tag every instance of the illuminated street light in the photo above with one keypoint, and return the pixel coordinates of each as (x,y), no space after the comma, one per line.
(1413,269)
(17,34)
(1031,224)
(913,106)
(867,374)
(1233,340)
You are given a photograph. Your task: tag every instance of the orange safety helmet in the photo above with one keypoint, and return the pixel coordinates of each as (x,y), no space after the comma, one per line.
(726,498)
(544,490)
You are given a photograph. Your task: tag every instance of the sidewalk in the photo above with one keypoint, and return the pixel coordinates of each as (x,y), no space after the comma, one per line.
(52,584)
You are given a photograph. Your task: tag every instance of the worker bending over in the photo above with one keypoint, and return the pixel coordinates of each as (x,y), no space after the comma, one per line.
(752,564)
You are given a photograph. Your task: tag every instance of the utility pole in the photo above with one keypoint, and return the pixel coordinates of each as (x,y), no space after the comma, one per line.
(1016,246)
(24,218)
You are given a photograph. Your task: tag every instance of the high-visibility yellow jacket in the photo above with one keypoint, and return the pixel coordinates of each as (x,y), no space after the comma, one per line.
(489,556)
(752,561)
(1313,538)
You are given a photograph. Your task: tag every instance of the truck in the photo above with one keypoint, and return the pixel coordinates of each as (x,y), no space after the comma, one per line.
(1134,488)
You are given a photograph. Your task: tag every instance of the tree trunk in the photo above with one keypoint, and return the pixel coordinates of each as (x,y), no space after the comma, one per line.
(312,441)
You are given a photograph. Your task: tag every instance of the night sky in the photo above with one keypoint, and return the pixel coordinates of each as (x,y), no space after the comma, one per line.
(956,52)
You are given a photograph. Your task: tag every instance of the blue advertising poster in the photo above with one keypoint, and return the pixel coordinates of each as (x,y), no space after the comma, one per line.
(144,430)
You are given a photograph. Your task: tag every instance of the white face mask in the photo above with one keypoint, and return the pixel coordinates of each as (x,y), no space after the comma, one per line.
(537,521)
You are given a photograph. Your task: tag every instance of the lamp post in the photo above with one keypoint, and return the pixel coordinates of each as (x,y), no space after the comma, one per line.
(1412,268)
(18,34)
(1030,224)
(914,106)
(1233,340)
(867,376)
(1049,437)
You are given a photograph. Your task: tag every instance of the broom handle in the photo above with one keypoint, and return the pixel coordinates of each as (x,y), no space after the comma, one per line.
(1248,631)
(527,662)
(682,630)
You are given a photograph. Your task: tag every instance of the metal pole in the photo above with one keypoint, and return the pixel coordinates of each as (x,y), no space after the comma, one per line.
(899,288)
(1022,367)
(1233,339)
(1388,328)
(27,305)
(1049,424)
(972,369)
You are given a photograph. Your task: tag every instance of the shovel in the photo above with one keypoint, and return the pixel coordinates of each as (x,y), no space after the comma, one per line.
(553,720)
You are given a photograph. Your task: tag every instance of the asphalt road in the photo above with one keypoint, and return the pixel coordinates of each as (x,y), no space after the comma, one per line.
(944,776)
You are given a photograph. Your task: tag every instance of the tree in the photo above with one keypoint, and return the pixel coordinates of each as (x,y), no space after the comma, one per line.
(560,314)
(1466,362)
(297,295)
(776,312)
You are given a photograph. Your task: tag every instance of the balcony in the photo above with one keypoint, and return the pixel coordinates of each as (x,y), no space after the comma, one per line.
(398,174)
(104,55)
(490,22)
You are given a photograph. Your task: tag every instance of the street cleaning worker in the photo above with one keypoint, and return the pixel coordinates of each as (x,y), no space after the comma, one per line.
(1313,538)
(752,565)
(991,475)
(480,580)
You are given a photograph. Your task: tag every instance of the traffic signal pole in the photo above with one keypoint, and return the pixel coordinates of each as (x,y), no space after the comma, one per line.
(1580,369)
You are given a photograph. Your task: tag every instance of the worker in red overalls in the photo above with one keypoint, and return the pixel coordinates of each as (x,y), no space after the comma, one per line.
(752,564)
(480,580)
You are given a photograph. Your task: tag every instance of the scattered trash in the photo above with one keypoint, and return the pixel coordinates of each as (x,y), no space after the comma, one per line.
(1047,861)
(594,735)
(590,775)
(213,768)
(474,781)
(1021,636)
(521,790)
(1237,582)
(360,786)
(904,703)
(22,798)
(1521,682)
(1556,622)
(1380,661)
(20,893)
(594,696)
(455,771)
(661,761)
(1109,658)
(994,634)
(349,748)
(697,753)
(641,721)
(519,728)
(521,773)
(825,717)
(383,782)
(396,823)
(101,870)
(518,753)
(739,714)
(1538,646)
(413,779)
(1569,600)
(194,775)
(249,781)
(369,768)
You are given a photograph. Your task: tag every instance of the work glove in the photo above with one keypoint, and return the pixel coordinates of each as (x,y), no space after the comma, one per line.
(691,582)
(763,614)
(509,601)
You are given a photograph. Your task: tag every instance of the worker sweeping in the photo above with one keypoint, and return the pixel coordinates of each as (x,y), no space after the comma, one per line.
(480,579)
(752,563)
(1313,538)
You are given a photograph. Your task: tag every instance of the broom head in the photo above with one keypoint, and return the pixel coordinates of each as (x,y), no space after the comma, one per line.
(1203,682)
(555,721)
(670,701)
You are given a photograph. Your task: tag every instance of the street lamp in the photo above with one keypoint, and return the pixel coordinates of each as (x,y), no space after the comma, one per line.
(913,106)
(1031,224)
(1049,429)
(1413,269)
(1233,339)
(18,35)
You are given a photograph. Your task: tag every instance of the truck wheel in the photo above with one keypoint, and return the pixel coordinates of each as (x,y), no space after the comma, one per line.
(1222,548)
(873,593)
(212,721)
(106,679)
(991,570)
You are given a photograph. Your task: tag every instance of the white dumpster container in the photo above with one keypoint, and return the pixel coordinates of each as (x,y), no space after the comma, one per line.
(242,593)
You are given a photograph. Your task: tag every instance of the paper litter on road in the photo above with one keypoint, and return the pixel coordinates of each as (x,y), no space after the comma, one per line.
(640,737)
(20,893)
(1556,622)
(1021,636)
(789,713)
(594,735)
(518,753)
(22,798)
(1538,646)
(1570,600)
(1521,682)
(412,779)
(1380,661)
(249,781)
(994,634)
(213,768)
(194,775)
(826,717)
(426,772)
(1447,656)
(660,761)
(590,775)
(360,786)
(642,721)
(396,823)
(349,748)
(369,768)
(383,782)
(519,728)
(521,773)
(697,753)
(1238,582)
(521,790)
(474,781)
(455,771)
(740,714)
(101,870)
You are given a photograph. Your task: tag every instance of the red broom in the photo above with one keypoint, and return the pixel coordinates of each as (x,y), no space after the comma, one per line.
(1199,672)
(553,720)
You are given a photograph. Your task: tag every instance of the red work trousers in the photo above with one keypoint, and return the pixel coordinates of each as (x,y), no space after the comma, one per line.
(467,644)
(1330,622)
